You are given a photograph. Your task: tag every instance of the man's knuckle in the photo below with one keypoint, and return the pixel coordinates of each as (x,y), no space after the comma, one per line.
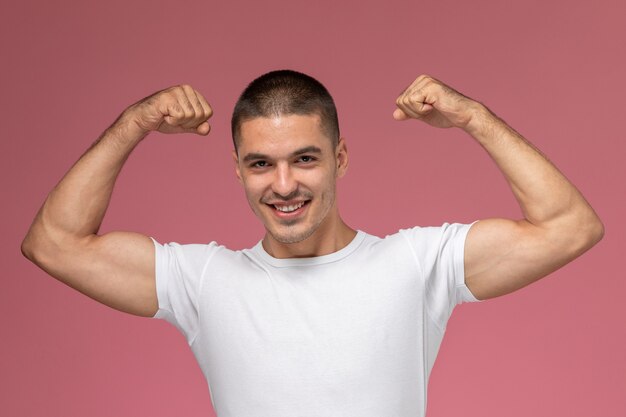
(177,110)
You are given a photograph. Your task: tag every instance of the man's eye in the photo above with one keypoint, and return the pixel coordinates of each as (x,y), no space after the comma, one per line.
(259,164)
(306,158)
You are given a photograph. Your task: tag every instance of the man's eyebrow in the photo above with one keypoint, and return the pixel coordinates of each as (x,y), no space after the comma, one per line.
(256,156)
(308,149)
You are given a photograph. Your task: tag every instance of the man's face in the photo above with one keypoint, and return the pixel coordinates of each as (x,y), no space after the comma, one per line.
(288,168)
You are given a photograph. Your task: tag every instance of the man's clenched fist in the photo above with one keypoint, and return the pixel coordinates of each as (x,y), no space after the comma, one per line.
(435,103)
(179,109)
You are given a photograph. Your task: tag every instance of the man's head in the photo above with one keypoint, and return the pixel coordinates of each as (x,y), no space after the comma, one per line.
(285,92)
(289,155)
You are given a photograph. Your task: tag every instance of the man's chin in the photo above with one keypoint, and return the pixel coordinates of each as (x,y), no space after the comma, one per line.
(290,236)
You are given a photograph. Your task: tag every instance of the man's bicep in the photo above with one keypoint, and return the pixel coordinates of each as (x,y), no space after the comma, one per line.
(502,256)
(116,269)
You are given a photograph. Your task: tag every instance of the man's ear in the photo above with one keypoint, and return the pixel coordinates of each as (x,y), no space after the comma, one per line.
(341,156)
(237,170)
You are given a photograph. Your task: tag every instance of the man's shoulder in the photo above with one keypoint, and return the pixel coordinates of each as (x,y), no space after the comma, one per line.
(437,231)
(426,239)
(197,252)
(427,231)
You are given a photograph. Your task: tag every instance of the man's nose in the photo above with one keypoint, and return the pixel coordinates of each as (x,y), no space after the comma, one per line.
(284,182)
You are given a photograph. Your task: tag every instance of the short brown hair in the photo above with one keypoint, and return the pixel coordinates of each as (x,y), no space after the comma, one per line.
(286,92)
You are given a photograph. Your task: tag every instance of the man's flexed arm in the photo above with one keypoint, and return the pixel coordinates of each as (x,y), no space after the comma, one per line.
(117,268)
(502,255)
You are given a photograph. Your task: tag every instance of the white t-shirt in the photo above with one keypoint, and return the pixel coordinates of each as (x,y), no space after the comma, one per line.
(351,334)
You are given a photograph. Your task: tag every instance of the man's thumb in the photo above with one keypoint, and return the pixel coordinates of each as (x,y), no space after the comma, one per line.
(400,115)
(203,129)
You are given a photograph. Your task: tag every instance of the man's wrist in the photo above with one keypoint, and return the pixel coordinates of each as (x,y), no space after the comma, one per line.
(482,123)
(127,129)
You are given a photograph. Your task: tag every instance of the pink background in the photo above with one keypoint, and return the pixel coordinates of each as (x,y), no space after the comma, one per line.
(554,70)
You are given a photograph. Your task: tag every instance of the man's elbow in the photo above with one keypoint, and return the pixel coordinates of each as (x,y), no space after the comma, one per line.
(596,233)
(33,251)
(27,248)
(589,232)
(40,246)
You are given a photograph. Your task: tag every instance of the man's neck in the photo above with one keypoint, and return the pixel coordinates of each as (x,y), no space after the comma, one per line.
(320,243)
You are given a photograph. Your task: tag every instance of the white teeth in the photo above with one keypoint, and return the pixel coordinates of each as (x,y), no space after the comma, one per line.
(287,209)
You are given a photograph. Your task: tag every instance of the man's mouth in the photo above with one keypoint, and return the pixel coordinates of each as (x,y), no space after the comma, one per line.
(290,208)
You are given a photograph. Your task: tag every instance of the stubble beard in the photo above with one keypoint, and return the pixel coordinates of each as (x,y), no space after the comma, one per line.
(292,235)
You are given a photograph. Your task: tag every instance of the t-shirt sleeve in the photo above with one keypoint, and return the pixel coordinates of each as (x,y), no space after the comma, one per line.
(440,255)
(179,271)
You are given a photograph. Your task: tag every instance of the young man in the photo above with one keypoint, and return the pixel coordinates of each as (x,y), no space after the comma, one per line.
(317,319)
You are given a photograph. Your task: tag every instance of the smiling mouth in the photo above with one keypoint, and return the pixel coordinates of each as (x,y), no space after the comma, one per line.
(289,208)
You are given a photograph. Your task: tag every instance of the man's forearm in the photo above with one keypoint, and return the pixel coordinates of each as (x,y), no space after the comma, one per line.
(543,192)
(75,208)
(77,204)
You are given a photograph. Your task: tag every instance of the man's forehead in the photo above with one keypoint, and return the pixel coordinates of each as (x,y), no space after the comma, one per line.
(281,133)
(282,121)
